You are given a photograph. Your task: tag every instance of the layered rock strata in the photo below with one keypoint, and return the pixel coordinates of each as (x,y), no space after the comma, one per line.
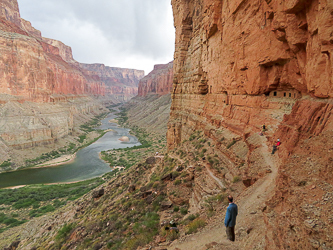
(34,67)
(241,64)
(244,63)
(120,83)
(150,112)
(42,70)
(159,81)
(30,126)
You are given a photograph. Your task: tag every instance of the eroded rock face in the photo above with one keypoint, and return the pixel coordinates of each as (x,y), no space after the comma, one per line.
(234,58)
(119,82)
(35,68)
(30,124)
(241,64)
(159,81)
(65,51)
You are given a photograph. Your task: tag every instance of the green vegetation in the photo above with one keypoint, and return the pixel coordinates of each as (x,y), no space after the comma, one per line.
(127,157)
(47,156)
(6,164)
(82,138)
(144,230)
(183,210)
(231,144)
(177,182)
(236,179)
(63,234)
(9,221)
(212,202)
(195,225)
(89,126)
(37,200)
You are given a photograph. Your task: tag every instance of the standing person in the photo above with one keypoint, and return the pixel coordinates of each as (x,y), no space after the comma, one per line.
(230,218)
(275,147)
(264,128)
(278,142)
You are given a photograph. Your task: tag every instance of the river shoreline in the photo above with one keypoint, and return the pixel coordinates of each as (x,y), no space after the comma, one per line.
(47,184)
(64,159)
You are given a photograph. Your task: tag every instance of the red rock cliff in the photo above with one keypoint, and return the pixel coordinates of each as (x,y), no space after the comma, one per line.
(118,81)
(159,81)
(245,55)
(240,64)
(34,67)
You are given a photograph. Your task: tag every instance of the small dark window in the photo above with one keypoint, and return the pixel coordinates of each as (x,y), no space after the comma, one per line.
(289,94)
(294,95)
(284,94)
(275,93)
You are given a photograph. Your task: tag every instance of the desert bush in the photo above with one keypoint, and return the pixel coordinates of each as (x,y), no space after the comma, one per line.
(195,225)
(236,179)
(172,235)
(231,144)
(177,182)
(64,233)
(183,210)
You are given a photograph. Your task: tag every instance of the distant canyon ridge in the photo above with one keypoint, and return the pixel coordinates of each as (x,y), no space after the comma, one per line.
(34,68)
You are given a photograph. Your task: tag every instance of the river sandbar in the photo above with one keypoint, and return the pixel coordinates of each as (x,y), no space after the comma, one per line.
(58,161)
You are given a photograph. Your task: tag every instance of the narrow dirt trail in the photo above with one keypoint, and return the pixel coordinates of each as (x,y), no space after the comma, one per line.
(218,181)
(250,228)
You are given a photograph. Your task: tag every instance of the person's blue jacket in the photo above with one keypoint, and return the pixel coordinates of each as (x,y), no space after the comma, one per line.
(230,216)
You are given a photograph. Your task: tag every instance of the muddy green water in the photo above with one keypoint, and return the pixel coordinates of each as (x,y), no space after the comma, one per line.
(86,165)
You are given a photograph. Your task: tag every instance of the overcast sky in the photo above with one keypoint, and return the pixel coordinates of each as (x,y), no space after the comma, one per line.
(119,33)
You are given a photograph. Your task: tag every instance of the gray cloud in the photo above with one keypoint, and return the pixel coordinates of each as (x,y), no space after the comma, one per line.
(119,33)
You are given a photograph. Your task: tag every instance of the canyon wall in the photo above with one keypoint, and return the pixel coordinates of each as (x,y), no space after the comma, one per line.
(159,81)
(34,67)
(241,64)
(120,83)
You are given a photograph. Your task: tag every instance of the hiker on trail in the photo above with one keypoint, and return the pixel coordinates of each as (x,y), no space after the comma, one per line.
(278,142)
(230,218)
(172,226)
(276,146)
(263,130)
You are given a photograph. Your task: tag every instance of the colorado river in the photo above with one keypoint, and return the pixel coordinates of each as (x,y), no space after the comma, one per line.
(87,163)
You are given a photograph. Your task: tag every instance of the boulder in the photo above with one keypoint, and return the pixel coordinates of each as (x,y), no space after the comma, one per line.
(151,160)
(131,188)
(97,194)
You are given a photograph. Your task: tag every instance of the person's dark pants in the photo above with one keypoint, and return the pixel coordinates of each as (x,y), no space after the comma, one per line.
(230,233)
(274,149)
